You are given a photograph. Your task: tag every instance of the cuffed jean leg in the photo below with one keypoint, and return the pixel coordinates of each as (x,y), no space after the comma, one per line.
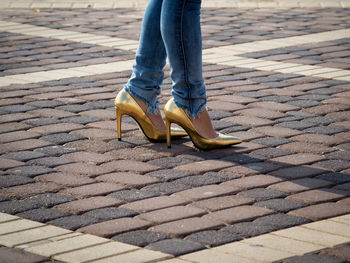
(150,59)
(181,32)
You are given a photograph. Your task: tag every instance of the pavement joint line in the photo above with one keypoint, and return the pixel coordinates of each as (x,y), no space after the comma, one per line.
(226,55)
(234,49)
(286,243)
(103,4)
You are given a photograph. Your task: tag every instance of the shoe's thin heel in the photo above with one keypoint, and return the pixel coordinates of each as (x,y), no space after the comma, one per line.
(119,123)
(168,135)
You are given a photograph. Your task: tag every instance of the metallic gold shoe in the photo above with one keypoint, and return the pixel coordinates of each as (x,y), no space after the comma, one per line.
(174,114)
(125,104)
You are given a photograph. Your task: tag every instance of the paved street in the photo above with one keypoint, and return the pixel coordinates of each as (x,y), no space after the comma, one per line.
(279,79)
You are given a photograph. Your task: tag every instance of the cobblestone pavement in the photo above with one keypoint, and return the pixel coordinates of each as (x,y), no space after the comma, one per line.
(277,78)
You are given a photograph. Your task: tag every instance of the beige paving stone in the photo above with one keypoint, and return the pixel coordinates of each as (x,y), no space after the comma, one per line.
(312,236)
(318,71)
(173,260)
(284,244)
(18,225)
(138,256)
(277,66)
(334,74)
(6,217)
(31,235)
(70,235)
(61,246)
(253,252)
(296,69)
(330,227)
(212,255)
(345,219)
(95,252)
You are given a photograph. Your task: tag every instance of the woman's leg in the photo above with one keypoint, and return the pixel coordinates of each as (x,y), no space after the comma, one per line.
(181,32)
(150,60)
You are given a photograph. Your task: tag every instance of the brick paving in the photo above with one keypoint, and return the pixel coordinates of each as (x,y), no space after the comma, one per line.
(62,165)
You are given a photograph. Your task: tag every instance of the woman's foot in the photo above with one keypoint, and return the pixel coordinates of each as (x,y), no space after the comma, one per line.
(156,119)
(203,125)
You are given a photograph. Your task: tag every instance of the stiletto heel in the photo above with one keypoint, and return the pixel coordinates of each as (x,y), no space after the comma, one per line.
(126,105)
(168,134)
(119,123)
(174,114)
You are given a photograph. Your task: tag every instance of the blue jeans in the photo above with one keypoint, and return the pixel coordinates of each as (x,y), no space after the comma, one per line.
(170,28)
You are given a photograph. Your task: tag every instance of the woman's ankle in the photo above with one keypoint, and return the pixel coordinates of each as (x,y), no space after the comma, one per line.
(204,126)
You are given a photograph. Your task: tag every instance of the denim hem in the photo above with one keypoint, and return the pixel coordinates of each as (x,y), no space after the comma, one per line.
(152,107)
(192,112)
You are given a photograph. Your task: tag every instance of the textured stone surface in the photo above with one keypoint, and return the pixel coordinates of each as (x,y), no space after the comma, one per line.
(313,258)
(213,238)
(175,247)
(140,238)
(280,205)
(60,157)
(18,255)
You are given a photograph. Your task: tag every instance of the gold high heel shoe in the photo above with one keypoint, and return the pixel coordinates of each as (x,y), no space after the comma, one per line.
(174,114)
(126,105)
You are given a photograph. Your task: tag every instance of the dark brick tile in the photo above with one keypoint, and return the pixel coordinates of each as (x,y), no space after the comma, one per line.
(56,150)
(326,130)
(62,138)
(337,178)
(279,99)
(73,222)
(14,207)
(304,103)
(110,213)
(12,180)
(24,155)
(280,205)
(50,161)
(268,153)
(49,199)
(341,252)
(175,247)
(168,174)
(41,121)
(169,162)
(333,165)
(241,159)
(140,238)
(45,103)
(42,214)
(81,119)
(30,171)
(280,221)
(166,188)
(16,108)
(212,238)
(297,172)
(261,194)
(340,155)
(235,128)
(314,258)
(3,198)
(248,229)
(133,195)
(271,141)
(16,255)
(321,120)
(264,167)
(299,125)
(217,115)
(74,108)
(201,180)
